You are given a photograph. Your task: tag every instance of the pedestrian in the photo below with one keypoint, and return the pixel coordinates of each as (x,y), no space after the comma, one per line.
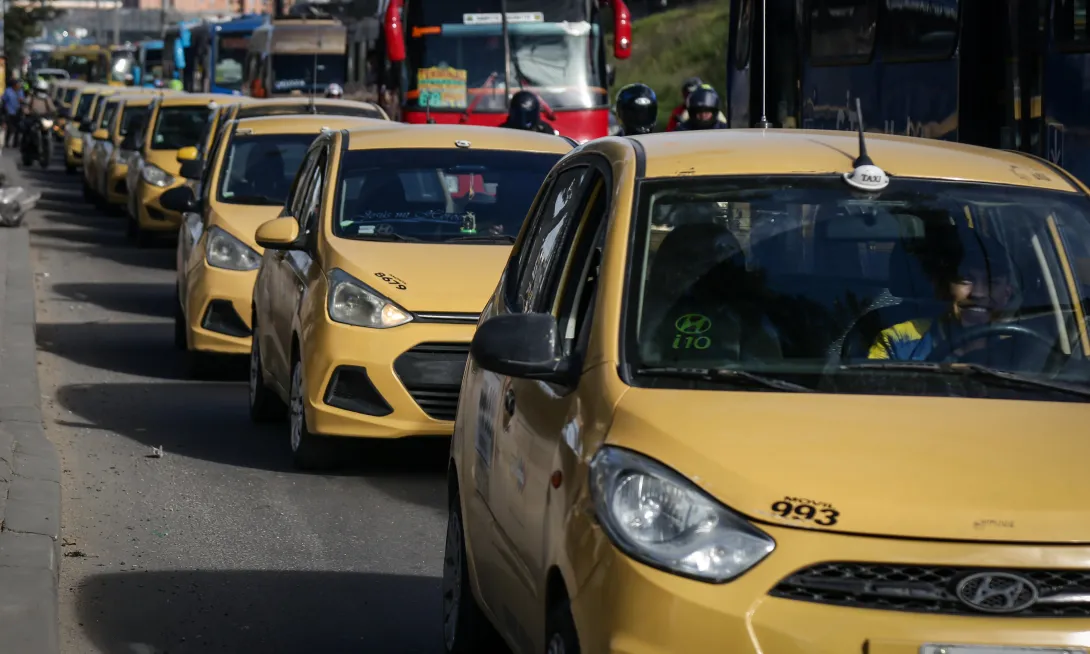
(12,100)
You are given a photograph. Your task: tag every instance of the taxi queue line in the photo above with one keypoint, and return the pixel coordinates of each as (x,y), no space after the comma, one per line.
(606,493)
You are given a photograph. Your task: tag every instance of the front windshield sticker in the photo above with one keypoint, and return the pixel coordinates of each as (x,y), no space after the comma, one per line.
(798,508)
(442,87)
(689,329)
(392,281)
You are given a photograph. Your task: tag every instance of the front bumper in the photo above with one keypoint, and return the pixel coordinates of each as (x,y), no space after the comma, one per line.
(73,152)
(411,374)
(218,309)
(150,215)
(627,607)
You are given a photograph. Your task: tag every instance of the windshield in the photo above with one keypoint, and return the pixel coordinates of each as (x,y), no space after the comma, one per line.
(107,115)
(260,169)
(179,127)
(132,118)
(230,53)
(84,105)
(454,65)
(437,196)
(296,72)
(798,278)
(69,94)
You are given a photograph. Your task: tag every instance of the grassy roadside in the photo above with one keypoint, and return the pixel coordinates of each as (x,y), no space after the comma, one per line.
(672,45)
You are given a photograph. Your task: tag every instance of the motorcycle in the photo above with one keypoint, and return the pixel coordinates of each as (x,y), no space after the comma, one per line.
(37,142)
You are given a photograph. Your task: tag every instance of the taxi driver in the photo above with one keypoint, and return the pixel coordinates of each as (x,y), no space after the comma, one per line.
(974,280)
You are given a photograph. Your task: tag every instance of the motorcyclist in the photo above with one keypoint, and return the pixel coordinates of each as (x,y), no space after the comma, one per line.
(525,113)
(38,102)
(334,91)
(702,109)
(637,109)
(684,116)
(677,115)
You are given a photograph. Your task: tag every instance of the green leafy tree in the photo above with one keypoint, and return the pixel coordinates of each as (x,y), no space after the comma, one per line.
(22,22)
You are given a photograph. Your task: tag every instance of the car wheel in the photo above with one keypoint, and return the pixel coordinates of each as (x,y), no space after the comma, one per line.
(561,637)
(308,451)
(88,195)
(180,338)
(465,627)
(265,406)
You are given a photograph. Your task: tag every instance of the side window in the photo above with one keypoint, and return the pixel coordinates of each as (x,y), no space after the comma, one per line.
(579,280)
(552,222)
(919,31)
(842,31)
(308,218)
(745,32)
(1070,27)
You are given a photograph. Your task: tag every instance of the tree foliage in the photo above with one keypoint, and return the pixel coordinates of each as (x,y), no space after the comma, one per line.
(22,22)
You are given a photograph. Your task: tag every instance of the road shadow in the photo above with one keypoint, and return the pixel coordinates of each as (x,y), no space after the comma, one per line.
(263,611)
(129,256)
(148,299)
(87,236)
(143,348)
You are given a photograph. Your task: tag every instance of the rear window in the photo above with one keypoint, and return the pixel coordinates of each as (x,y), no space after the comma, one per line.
(260,169)
(179,127)
(437,196)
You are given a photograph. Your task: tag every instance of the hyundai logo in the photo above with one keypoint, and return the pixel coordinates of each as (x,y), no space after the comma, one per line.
(997,592)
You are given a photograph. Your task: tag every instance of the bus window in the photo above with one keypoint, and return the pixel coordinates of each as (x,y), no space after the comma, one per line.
(745,25)
(914,31)
(842,31)
(1070,24)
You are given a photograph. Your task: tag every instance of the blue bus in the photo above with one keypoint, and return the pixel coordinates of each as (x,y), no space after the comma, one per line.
(149,63)
(180,60)
(1012,74)
(221,50)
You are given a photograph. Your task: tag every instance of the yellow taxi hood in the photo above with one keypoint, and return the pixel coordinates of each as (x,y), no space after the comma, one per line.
(933,468)
(439,278)
(165,159)
(242,220)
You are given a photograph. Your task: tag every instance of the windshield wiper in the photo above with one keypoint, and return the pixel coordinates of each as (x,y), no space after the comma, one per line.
(726,375)
(256,199)
(483,238)
(389,236)
(974,370)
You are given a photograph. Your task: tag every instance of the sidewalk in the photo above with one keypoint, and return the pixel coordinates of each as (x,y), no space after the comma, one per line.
(29,467)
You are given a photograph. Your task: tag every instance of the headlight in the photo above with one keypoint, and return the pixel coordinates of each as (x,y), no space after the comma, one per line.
(47,123)
(156,176)
(354,303)
(225,251)
(656,516)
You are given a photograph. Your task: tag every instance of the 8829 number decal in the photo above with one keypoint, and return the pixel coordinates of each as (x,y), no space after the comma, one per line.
(799,508)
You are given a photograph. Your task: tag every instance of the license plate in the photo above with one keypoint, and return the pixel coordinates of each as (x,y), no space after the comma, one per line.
(988,649)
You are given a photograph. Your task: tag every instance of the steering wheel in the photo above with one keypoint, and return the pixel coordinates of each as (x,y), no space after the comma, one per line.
(993,330)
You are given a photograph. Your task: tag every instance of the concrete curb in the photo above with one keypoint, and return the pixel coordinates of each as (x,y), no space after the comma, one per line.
(30,492)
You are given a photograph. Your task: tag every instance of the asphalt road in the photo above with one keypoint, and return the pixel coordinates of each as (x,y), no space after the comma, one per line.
(219,546)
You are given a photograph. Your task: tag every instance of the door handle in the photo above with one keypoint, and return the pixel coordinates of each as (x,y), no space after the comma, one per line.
(509,401)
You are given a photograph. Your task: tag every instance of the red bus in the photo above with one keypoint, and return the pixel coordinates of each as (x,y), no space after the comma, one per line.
(452,55)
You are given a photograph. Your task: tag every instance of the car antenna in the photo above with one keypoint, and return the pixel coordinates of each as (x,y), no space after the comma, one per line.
(763,123)
(865,176)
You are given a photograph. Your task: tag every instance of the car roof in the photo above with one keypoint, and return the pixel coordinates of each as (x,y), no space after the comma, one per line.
(193,99)
(250,103)
(817,152)
(307,123)
(445,136)
(137,100)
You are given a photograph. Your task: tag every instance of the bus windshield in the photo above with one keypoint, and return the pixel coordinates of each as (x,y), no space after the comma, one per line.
(453,65)
(230,53)
(306,72)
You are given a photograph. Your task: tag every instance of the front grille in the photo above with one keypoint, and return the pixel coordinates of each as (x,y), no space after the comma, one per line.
(432,373)
(930,589)
(221,317)
(351,389)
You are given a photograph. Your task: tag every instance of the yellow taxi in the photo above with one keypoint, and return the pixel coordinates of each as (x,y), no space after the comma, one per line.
(175,121)
(64,92)
(99,144)
(743,391)
(82,104)
(250,173)
(372,281)
(88,127)
(118,142)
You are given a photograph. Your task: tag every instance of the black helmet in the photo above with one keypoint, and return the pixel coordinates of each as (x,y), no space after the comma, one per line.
(637,109)
(703,99)
(690,85)
(525,110)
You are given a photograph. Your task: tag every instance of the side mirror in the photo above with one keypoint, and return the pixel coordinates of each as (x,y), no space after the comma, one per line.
(191,164)
(179,200)
(100,134)
(187,154)
(522,345)
(279,234)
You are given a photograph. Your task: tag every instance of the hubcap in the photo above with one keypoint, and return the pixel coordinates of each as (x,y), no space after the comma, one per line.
(452,579)
(255,371)
(556,645)
(297,407)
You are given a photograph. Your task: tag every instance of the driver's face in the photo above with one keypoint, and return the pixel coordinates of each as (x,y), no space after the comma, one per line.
(979,298)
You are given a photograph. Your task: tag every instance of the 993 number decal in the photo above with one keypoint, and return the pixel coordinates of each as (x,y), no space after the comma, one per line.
(798,508)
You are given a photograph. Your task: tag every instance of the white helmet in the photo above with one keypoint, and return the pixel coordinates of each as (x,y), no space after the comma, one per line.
(41,85)
(334,91)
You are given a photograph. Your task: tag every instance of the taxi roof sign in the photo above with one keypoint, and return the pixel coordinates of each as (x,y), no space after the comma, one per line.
(865,176)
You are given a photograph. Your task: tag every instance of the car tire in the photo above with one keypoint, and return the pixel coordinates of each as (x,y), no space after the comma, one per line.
(70,169)
(560,634)
(308,451)
(265,405)
(88,194)
(181,340)
(466,629)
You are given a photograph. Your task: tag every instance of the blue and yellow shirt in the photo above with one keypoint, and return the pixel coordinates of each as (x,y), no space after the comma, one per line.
(913,340)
